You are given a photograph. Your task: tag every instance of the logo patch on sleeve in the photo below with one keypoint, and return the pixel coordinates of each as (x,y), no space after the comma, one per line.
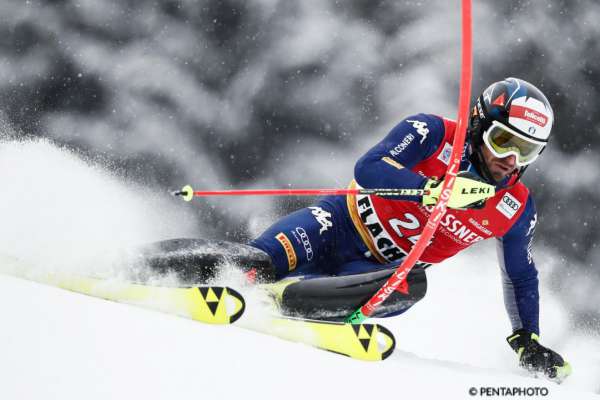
(445,153)
(508,205)
(289,250)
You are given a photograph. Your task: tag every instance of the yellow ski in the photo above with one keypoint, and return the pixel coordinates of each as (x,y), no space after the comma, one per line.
(367,342)
(208,304)
(223,305)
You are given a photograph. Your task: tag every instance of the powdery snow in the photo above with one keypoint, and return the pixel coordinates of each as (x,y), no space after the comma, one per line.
(61,345)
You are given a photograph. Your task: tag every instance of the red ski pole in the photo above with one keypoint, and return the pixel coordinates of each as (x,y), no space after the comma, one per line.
(440,208)
(188,193)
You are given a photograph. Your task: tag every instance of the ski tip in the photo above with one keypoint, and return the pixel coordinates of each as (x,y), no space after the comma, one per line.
(242,305)
(217,305)
(375,342)
(388,342)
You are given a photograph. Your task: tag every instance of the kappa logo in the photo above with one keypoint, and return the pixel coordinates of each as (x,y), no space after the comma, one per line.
(289,250)
(508,205)
(421,128)
(323,217)
(532,224)
(530,233)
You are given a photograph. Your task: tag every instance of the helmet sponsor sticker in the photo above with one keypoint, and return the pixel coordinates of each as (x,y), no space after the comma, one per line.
(531,117)
(508,205)
(529,114)
(289,250)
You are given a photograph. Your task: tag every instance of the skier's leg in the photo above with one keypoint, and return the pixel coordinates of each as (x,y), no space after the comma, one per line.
(295,242)
(336,297)
(299,242)
(198,260)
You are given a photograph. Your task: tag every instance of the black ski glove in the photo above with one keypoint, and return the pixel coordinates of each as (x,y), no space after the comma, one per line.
(536,358)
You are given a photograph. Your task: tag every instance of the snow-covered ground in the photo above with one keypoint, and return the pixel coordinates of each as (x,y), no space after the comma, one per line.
(61,345)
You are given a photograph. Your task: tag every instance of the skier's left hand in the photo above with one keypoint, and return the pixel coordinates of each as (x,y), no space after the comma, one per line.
(469,191)
(536,358)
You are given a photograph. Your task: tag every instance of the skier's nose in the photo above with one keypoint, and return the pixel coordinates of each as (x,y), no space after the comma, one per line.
(510,161)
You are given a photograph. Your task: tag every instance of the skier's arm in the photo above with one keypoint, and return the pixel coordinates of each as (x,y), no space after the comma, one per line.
(521,297)
(519,275)
(388,163)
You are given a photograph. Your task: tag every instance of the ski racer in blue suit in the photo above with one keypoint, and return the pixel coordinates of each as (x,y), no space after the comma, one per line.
(339,252)
(345,239)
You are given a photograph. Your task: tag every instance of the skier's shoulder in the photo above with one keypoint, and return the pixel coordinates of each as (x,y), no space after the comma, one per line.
(520,199)
(431,122)
(520,191)
(428,130)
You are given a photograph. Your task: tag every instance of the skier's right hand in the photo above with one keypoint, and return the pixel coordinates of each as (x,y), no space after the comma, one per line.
(469,191)
(536,358)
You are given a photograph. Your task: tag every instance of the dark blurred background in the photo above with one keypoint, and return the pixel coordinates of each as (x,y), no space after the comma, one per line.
(274,93)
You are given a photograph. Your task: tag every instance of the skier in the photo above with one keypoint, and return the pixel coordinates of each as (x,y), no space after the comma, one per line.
(350,245)
(509,128)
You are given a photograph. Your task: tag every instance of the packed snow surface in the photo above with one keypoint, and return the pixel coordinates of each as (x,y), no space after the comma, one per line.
(62,345)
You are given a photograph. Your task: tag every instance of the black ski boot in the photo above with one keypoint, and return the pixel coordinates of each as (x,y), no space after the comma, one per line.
(196,261)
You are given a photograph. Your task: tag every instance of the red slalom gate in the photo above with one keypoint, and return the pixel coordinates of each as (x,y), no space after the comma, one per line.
(453,167)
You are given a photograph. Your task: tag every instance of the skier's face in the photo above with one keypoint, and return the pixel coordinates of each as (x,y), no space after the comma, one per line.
(500,168)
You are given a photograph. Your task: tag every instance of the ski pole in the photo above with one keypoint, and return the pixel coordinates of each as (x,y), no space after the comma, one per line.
(188,193)
(439,209)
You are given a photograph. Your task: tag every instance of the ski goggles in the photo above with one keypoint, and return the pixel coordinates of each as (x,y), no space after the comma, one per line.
(503,142)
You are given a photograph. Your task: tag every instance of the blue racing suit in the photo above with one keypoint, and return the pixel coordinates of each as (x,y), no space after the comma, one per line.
(323,240)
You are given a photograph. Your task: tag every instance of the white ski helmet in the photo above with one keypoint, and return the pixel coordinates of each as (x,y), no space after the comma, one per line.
(511,117)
